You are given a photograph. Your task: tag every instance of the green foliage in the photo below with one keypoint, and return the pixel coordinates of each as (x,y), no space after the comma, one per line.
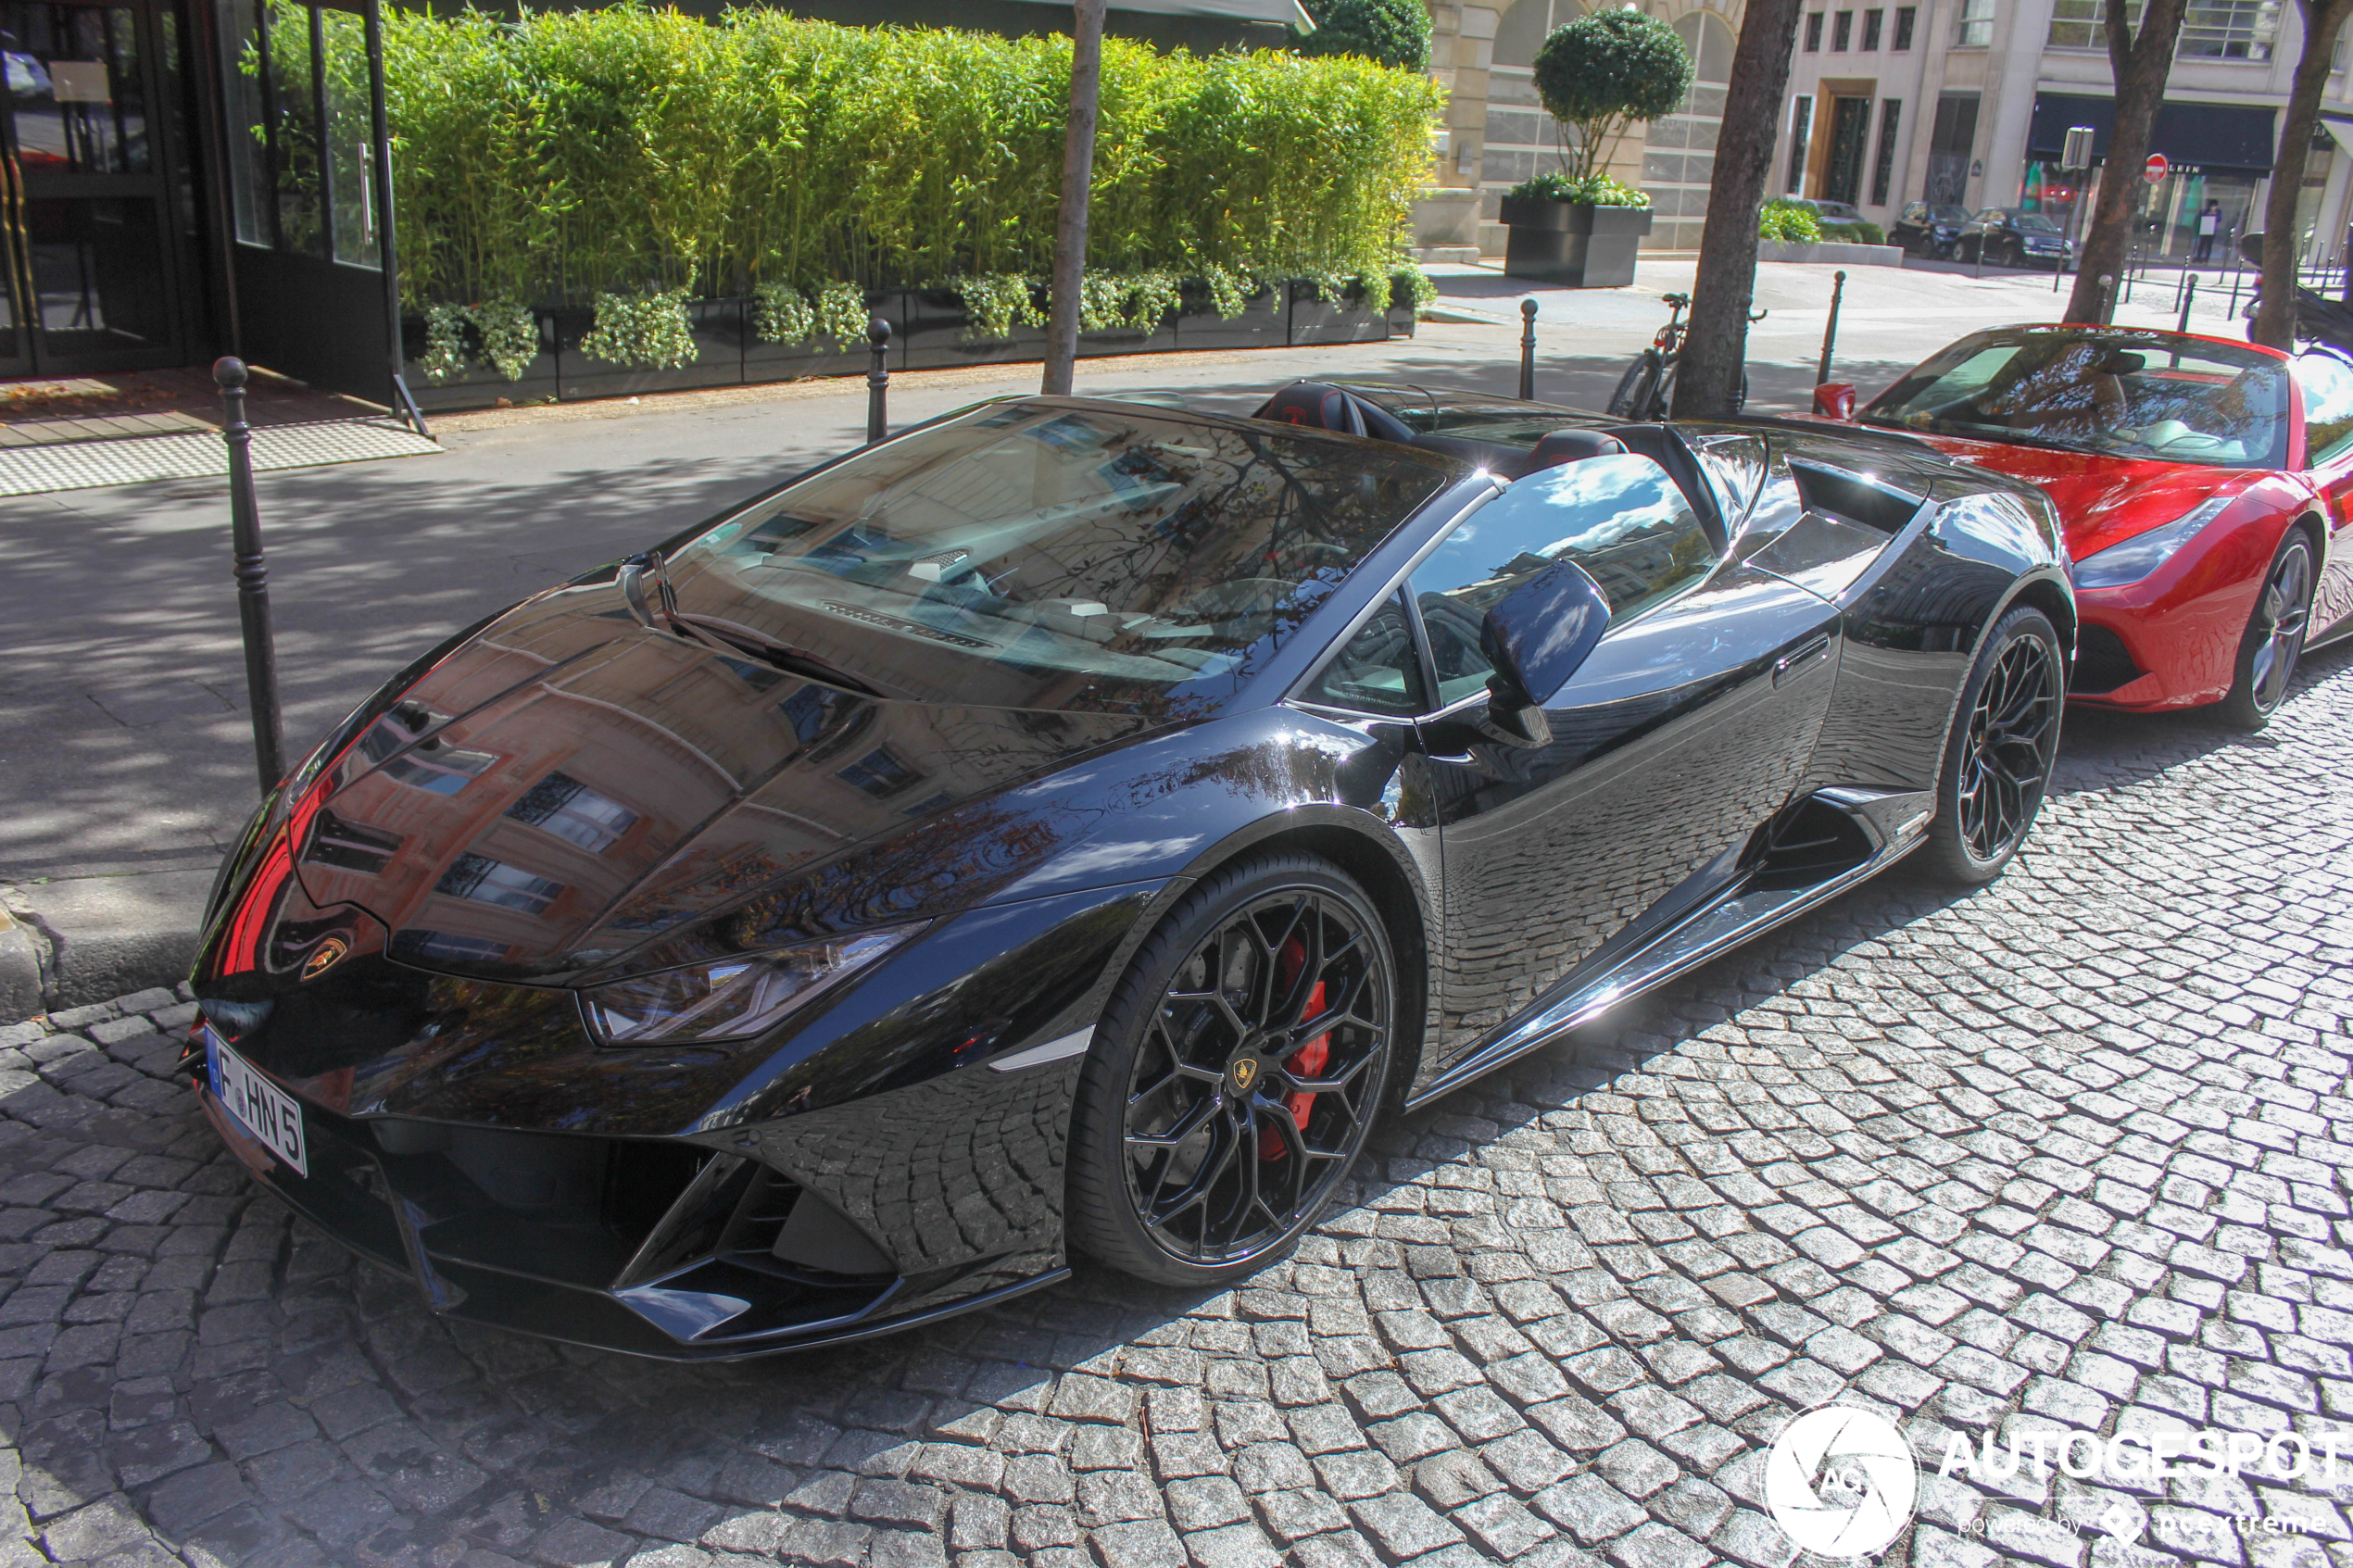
(506,335)
(1781,219)
(445,343)
(1414,283)
(1395,33)
(1604,72)
(1864,232)
(842,314)
(781,313)
(1597,190)
(998,302)
(646,330)
(629,153)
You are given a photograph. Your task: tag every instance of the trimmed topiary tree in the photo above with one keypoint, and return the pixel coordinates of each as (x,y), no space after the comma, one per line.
(1393,33)
(1604,72)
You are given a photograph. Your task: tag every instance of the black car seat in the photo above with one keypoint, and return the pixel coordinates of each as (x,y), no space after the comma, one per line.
(1321,406)
(1569,446)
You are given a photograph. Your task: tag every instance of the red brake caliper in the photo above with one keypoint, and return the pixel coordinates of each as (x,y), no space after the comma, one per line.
(1307,1060)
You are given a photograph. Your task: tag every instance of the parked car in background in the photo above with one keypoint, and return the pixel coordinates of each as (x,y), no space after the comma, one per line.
(2206,485)
(1929,229)
(2011,236)
(1833,212)
(1068,826)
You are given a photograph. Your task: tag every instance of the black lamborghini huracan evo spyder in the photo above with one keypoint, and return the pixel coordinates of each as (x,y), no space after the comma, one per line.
(1070,823)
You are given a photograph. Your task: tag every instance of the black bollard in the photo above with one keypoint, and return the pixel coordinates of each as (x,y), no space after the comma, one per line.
(878,379)
(1830,333)
(1527,350)
(253,579)
(2189,297)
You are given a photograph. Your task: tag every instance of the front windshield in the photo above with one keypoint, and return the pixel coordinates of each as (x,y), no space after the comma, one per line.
(2100,389)
(1950,214)
(1040,556)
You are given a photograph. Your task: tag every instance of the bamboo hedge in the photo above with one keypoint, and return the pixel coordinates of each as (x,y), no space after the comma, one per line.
(630,153)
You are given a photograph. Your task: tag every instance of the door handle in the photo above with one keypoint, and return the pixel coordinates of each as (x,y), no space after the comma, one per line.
(1795,662)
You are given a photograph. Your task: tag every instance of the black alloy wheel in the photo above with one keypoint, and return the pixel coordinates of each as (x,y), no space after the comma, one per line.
(1999,754)
(1236,1074)
(2274,637)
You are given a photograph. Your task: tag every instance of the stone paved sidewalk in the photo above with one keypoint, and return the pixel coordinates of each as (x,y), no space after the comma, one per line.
(2069,1152)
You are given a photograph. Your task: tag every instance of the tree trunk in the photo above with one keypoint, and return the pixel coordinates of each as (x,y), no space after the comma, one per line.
(1079,173)
(1707,380)
(2275,322)
(2141,65)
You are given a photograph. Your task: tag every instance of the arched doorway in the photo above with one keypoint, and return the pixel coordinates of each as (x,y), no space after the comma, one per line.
(1521,138)
(1679,159)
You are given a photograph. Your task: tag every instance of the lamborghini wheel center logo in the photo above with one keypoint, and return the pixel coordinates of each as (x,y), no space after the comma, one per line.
(1841,1481)
(325,957)
(1244,1073)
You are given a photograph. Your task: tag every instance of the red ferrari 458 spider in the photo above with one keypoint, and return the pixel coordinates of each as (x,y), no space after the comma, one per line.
(2206,485)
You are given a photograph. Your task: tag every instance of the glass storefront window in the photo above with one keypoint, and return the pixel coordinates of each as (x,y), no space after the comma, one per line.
(248,135)
(343,59)
(301,173)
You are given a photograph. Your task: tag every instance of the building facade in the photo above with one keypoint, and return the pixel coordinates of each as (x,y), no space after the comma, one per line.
(1497,134)
(1966,103)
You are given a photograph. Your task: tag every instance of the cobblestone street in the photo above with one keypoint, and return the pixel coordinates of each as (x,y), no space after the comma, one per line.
(2071,1152)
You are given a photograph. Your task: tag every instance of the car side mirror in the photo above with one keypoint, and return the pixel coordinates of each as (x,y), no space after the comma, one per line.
(1835,400)
(1535,637)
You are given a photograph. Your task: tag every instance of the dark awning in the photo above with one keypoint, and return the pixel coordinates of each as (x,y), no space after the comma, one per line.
(2218,138)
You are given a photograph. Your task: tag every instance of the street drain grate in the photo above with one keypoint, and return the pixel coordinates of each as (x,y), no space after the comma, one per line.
(86,464)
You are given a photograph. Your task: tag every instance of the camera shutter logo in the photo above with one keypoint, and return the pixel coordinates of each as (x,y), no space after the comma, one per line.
(1841,1481)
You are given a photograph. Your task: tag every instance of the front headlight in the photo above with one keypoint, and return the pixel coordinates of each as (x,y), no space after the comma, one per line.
(2134,559)
(728,998)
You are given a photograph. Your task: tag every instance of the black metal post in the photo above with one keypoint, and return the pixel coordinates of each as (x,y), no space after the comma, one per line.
(2189,297)
(253,579)
(1830,333)
(878,379)
(1527,350)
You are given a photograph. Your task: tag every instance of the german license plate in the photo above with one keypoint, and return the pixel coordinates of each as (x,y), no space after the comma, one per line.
(260,1107)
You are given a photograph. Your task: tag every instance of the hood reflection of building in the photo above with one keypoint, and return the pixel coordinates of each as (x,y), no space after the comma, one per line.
(628,781)
(630,788)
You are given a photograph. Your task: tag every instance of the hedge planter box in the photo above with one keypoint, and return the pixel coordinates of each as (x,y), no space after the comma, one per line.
(1263,324)
(480,385)
(1845,253)
(929,328)
(1572,244)
(1314,318)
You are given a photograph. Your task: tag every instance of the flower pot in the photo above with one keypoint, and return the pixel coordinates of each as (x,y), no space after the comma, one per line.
(1573,245)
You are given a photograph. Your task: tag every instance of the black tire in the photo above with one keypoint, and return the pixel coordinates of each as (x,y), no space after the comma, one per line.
(1999,753)
(2274,637)
(1166,1096)
(1634,387)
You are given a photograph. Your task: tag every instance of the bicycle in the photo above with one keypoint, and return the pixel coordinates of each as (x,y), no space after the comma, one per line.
(1647,388)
